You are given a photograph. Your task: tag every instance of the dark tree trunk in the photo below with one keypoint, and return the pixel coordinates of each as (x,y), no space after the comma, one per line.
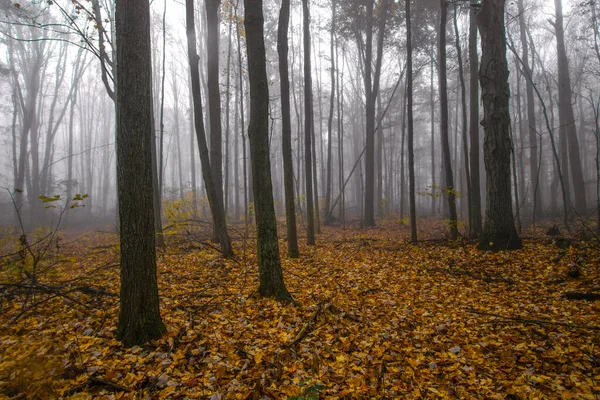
(216,203)
(409,111)
(270,274)
(139,314)
(214,98)
(308,127)
(448,189)
(286,129)
(499,230)
(476,226)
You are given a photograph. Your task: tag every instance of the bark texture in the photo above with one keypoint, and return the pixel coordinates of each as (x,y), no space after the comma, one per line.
(499,231)
(269,265)
(139,315)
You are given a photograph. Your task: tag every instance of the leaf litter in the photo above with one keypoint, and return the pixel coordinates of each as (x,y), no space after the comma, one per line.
(378,317)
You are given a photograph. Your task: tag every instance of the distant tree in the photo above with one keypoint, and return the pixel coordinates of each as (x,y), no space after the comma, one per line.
(568,129)
(449,190)
(269,264)
(308,128)
(499,231)
(286,128)
(476,226)
(409,111)
(139,314)
(216,206)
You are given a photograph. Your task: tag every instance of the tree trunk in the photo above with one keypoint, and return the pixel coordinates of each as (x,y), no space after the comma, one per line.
(566,116)
(308,128)
(410,120)
(139,314)
(499,230)
(286,129)
(533,148)
(270,274)
(216,203)
(329,179)
(214,98)
(476,227)
(449,190)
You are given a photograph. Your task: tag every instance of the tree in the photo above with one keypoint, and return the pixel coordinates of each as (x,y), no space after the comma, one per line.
(139,314)
(329,181)
(286,128)
(308,128)
(533,147)
(476,227)
(565,111)
(214,98)
(499,231)
(371,82)
(409,111)
(449,190)
(216,203)
(269,264)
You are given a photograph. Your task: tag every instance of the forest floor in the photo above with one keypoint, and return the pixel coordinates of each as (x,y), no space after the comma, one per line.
(378,317)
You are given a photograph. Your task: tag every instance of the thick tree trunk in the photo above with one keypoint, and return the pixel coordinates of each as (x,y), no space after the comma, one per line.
(270,274)
(286,129)
(499,230)
(139,314)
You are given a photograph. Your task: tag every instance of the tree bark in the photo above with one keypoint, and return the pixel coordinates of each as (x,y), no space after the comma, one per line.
(269,265)
(499,230)
(139,314)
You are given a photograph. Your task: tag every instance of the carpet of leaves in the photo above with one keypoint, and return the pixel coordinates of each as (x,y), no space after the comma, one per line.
(378,317)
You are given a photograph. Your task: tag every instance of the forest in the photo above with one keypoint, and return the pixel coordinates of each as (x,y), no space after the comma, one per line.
(302,200)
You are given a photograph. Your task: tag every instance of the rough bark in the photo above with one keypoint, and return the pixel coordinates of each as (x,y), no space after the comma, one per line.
(269,265)
(499,230)
(139,314)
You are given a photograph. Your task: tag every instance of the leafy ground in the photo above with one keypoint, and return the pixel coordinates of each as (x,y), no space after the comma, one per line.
(379,317)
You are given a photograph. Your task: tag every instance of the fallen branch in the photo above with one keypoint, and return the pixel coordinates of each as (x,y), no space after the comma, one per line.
(587,296)
(306,327)
(536,321)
